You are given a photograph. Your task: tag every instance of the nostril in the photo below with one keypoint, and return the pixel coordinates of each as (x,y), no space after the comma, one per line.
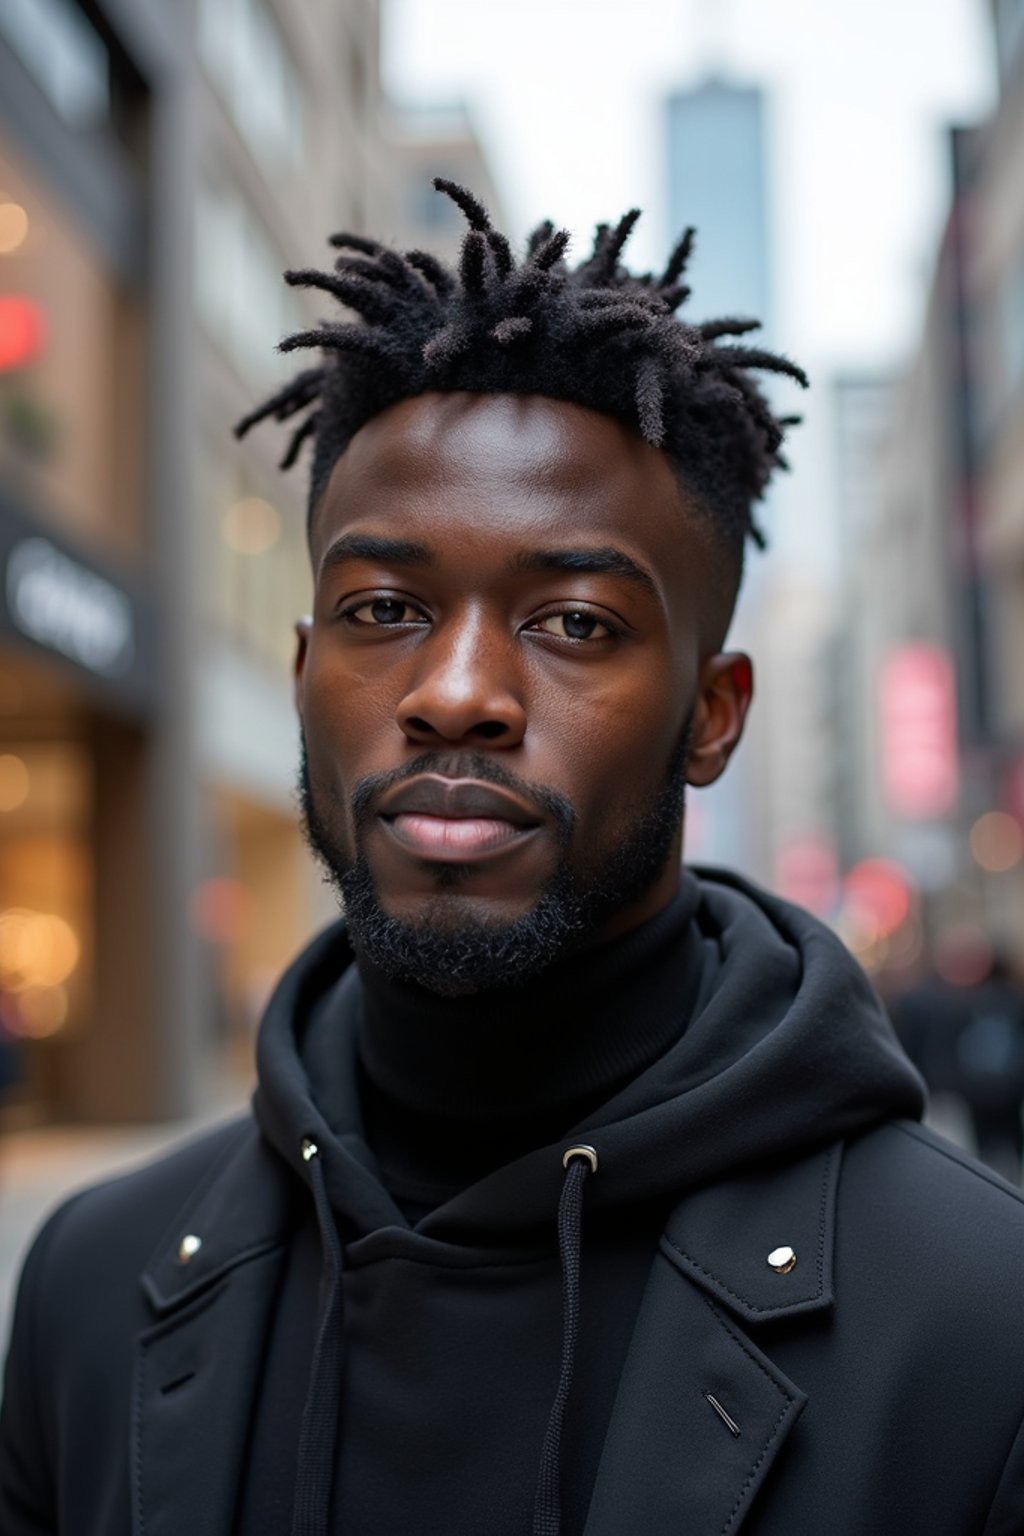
(489,729)
(417,723)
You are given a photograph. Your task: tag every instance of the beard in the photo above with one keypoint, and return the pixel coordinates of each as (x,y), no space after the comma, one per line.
(448,952)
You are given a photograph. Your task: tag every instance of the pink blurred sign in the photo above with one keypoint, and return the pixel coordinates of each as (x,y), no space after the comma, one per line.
(917,692)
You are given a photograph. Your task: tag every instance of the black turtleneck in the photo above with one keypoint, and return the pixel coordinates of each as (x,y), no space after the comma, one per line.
(453,1087)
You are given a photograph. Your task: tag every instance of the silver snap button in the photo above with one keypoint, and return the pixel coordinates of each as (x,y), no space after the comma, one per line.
(189,1247)
(782,1260)
(309,1149)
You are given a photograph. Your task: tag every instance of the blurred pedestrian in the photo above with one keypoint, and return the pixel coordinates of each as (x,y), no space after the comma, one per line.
(990,1062)
(963,1027)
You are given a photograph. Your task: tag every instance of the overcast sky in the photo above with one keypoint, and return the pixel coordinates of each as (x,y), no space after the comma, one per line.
(567,96)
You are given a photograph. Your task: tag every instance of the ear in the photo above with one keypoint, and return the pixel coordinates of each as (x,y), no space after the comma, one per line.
(303,630)
(725,687)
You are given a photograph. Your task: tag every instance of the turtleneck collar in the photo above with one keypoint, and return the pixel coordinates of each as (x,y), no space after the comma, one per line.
(583,1026)
(452,1087)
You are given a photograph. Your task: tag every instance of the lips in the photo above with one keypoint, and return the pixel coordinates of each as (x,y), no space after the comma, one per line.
(456,819)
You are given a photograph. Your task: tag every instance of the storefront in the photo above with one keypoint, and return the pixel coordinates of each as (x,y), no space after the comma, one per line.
(75,680)
(77,666)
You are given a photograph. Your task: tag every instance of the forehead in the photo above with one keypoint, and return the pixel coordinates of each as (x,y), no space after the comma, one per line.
(501,465)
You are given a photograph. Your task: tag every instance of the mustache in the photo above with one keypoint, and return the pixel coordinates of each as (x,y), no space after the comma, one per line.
(465,765)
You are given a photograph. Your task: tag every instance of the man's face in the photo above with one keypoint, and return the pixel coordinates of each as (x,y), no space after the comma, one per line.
(506,681)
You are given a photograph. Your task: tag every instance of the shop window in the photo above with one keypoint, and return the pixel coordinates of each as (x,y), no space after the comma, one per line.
(46,898)
(245,56)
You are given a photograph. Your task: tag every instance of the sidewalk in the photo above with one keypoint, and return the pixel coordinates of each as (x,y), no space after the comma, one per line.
(39,1167)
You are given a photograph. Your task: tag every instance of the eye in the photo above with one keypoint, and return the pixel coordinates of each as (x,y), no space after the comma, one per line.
(383,612)
(575,624)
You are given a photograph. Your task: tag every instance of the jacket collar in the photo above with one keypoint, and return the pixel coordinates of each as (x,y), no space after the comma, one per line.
(702,1410)
(197,1368)
(732,1238)
(241,1212)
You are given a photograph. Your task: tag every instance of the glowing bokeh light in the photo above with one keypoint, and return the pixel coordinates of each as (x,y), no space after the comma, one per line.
(14,782)
(37,949)
(997,842)
(219,909)
(251,526)
(39,1012)
(13,227)
(876,892)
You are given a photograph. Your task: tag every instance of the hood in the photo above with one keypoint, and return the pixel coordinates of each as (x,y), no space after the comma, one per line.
(787,1050)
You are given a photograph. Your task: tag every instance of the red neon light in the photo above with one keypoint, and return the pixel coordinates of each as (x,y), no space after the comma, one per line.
(22,331)
(879,891)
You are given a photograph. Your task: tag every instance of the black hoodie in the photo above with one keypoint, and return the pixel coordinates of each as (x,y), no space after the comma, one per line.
(430,1351)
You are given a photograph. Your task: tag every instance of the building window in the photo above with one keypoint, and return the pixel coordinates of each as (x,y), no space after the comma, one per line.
(1009,16)
(430,210)
(242,300)
(63,54)
(245,56)
(71,362)
(1012,329)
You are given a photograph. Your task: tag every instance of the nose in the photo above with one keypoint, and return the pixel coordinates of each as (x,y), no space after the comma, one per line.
(466,690)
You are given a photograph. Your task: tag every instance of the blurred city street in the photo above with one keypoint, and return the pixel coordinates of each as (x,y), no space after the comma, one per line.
(854,176)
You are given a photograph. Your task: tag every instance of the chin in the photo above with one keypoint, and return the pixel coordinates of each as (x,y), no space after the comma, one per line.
(448,911)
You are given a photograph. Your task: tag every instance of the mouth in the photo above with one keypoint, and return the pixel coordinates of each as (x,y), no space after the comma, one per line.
(456,820)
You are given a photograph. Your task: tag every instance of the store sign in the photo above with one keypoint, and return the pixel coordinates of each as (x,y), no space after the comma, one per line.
(919,745)
(61,604)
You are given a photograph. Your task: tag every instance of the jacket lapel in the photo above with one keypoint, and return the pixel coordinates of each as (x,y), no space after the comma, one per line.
(702,1412)
(197,1367)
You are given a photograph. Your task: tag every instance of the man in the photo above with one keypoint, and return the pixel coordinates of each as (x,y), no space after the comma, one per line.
(582,1195)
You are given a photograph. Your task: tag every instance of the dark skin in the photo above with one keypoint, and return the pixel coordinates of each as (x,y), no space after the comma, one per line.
(519,577)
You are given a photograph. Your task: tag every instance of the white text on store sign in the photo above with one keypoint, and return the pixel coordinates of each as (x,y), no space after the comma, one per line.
(63,605)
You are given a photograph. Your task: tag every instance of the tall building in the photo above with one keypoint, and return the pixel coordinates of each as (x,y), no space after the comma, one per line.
(159,167)
(717,181)
(716,164)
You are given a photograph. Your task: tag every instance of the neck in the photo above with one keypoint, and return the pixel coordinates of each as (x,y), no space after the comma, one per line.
(481,1078)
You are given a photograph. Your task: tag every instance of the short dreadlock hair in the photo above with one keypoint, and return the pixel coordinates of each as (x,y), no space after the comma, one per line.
(593,334)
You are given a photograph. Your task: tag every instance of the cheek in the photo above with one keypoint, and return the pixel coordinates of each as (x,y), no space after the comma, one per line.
(611,741)
(345,716)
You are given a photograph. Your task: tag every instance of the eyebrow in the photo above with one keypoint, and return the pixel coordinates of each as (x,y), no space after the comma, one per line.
(371,546)
(605,560)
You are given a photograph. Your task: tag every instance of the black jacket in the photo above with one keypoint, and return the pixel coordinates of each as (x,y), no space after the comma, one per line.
(875,1386)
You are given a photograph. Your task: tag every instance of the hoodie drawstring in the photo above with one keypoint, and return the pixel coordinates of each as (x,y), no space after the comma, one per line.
(579,1163)
(318,1435)
(315,1460)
